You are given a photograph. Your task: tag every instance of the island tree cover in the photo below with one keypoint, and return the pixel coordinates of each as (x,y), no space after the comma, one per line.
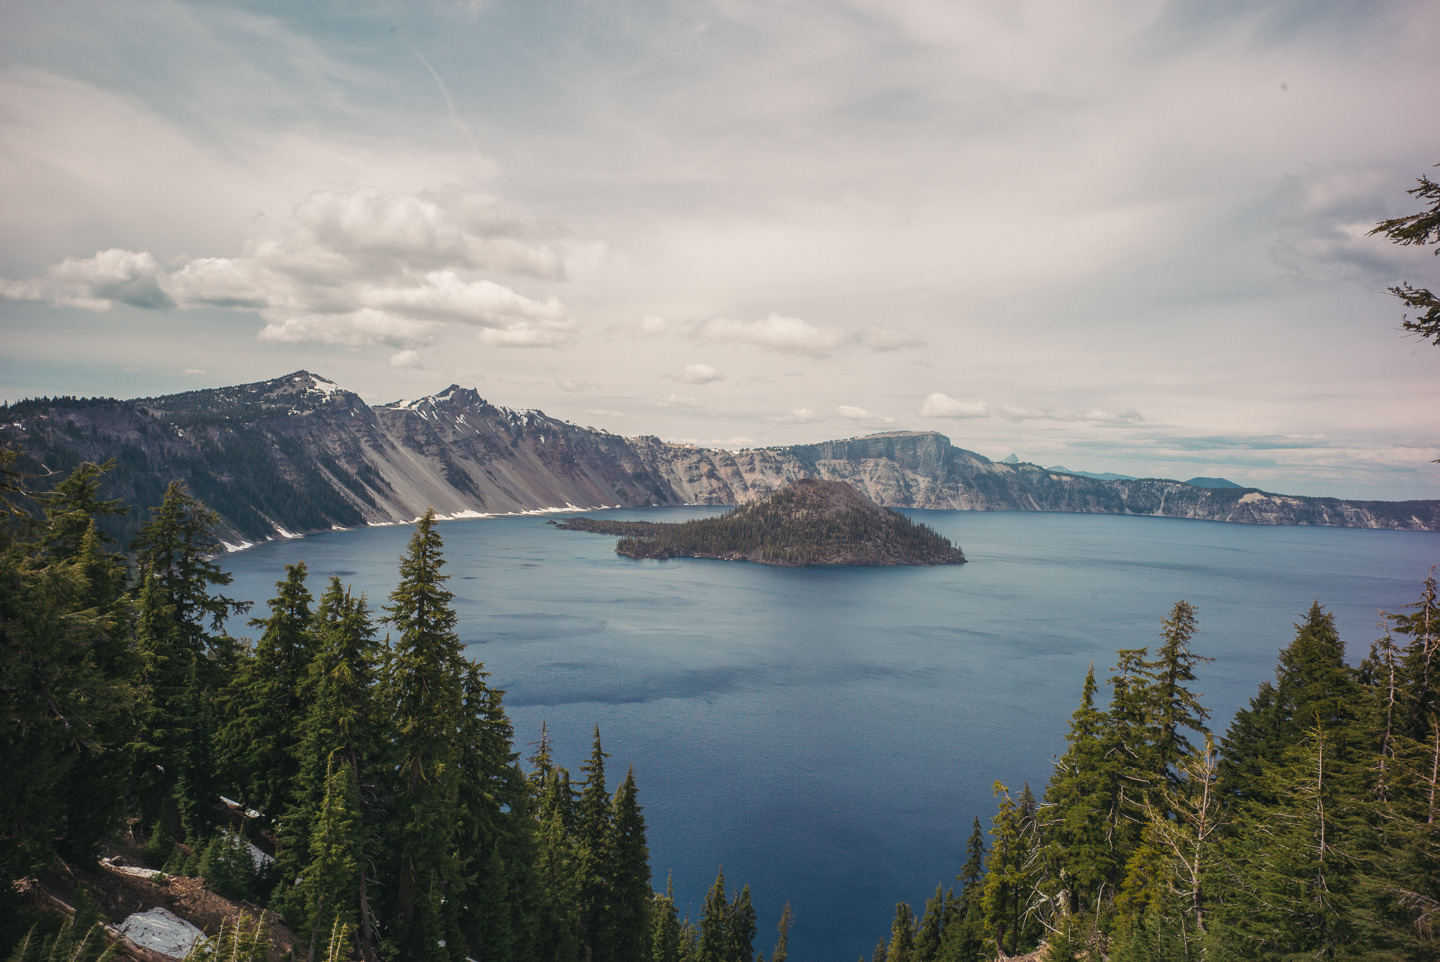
(1311,830)
(807,522)
(402,822)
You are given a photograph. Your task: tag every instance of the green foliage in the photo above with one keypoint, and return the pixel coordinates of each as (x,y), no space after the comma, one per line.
(79,939)
(65,676)
(241,939)
(1419,228)
(1310,834)
(228,867)
(267,699)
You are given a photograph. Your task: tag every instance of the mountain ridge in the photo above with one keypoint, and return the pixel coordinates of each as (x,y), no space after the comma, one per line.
(299,454)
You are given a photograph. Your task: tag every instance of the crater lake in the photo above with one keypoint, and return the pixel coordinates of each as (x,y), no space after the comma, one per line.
(827,735)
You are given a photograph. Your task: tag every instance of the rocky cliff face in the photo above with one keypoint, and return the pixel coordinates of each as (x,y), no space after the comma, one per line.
(299,454)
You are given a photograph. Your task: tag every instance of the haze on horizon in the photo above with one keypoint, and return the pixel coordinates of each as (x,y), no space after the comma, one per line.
(1127,237)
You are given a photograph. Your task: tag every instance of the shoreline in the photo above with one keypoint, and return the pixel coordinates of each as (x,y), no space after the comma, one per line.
(467,515)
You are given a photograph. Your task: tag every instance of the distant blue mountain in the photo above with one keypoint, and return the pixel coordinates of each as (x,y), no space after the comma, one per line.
(1092,475)
(1213,483)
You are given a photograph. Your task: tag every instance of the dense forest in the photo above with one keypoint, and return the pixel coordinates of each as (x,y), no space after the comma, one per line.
(808,522)
(363,788)
(1308,832)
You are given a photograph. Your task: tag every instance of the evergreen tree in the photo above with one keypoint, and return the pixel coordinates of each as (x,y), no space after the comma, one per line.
(592,817)
(557,869)
(742,927)
(185,656)
(715,925)
(426,674)
(1177,708)
(341,726)
(1008,879)
(902,936)
(965,931)
(931,929)
(66,671)
(488,833)
(630,894)
(260,741)
(1297,870)
(1419,661)
(1314,688)
(1077,836)
(782,943)
(666,936)
(332,878)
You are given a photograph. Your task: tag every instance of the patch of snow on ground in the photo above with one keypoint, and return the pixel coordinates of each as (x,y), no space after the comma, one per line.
(134,870)
(322,386)
(163,931)
(258,858)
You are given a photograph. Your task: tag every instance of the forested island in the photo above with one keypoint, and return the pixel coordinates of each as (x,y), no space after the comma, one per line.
(807,522)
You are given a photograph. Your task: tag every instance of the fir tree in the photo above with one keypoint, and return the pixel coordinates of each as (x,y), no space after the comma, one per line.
(630,893)
(742,927)
(332,878)
(782,943)
(1314,688)
(267,702)
(592,818)
(1008,879)
(665,931)
(1077,835)
(425,683)
(902,936)
(1177,708)
(185,656)
(715,925)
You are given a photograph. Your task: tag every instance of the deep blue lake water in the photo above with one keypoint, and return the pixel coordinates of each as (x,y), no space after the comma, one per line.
(827,735)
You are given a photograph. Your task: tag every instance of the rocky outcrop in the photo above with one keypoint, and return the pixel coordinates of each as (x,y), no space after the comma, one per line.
(300,454)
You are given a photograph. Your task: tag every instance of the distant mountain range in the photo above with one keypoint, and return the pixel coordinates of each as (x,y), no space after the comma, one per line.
(299,454)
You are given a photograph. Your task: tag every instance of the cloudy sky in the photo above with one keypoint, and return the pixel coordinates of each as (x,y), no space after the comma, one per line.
(1118,236)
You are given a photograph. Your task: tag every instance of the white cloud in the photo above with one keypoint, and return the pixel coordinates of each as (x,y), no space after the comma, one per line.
(698,374)
(852,413)
(407,360)
(795,416)
(96,283)
(939,405)
(789,335)
(451,228)
(355,268)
